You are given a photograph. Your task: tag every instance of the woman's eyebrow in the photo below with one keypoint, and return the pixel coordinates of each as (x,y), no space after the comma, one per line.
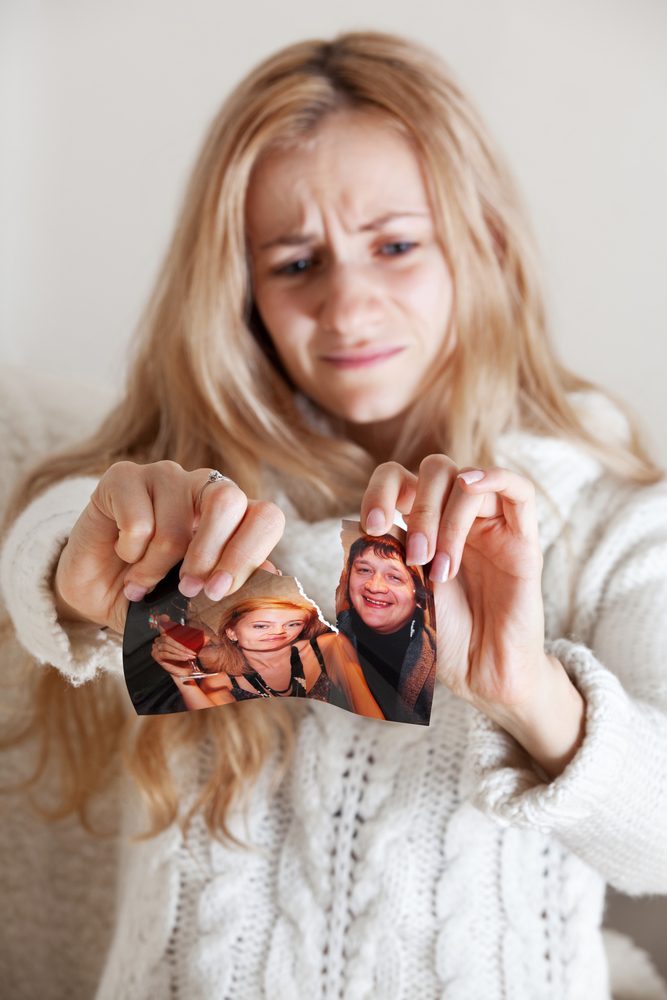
(298,239)
(268,621)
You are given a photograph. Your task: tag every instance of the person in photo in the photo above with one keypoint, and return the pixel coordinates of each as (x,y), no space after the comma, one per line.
(263,647)
(383,616)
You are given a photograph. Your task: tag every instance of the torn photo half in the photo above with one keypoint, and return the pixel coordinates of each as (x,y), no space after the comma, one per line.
(269,639)
(386,612)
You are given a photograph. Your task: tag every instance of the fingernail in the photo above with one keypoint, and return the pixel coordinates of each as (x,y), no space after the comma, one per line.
(440,567)
(472,476)
(190,586)
(417,548)
(218,586)
(134,592)
(375,520)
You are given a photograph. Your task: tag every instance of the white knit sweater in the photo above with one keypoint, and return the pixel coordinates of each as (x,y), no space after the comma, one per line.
(401,861)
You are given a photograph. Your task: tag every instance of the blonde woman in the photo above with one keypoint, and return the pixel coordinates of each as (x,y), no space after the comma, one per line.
(349,318)
(267,647)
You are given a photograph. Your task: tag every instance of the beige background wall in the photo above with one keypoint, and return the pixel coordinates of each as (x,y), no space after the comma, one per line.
(103,107)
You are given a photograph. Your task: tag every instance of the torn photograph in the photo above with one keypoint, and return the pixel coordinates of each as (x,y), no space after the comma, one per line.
(266,640)
(385,609)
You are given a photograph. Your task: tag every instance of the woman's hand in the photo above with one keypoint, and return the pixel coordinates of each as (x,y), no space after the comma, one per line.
(172,655)
(143,519)
(478,530)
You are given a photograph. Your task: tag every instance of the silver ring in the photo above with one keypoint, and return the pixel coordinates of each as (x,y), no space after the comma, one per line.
(213,477)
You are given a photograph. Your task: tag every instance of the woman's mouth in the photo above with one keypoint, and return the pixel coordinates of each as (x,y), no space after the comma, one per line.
(362,360)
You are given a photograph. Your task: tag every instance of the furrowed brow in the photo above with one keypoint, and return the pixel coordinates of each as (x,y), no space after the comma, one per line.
(300,239)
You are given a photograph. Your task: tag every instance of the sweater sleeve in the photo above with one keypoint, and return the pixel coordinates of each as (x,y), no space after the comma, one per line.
(28,559)
(609,805)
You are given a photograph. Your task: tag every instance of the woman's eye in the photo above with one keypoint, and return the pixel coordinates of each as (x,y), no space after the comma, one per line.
(260,626)
(397,248)
(294,267)
(402,245)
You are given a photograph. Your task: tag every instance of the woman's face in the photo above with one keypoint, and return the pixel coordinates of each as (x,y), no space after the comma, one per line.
(382,591)
(348,276)
(267,629)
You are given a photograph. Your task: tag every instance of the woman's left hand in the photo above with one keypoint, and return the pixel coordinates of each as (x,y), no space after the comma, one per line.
(478,530)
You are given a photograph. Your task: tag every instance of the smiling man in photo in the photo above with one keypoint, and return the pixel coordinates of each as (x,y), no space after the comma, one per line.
(384,618)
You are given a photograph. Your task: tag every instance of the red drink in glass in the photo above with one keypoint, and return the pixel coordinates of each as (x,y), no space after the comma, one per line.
(193,638)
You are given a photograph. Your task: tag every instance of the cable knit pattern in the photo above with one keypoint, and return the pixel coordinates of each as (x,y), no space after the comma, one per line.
(395,861)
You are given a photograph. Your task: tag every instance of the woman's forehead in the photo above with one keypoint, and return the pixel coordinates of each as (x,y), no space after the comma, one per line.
(274,614)
(361,173)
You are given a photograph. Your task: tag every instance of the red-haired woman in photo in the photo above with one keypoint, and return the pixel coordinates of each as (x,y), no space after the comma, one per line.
(266,647)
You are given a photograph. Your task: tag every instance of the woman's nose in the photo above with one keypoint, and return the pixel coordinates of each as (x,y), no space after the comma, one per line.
(377,583)
(351,305)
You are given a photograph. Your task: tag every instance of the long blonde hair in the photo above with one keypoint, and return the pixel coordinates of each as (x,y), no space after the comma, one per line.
(205,389)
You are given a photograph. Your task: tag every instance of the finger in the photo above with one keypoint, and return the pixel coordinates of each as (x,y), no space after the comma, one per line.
(390,488)
(508,493)
(170,647)
(122,497)
(222,508)
(173,655)
(461,511)
(482,494)
(270,568)
(162,648)
(173,517)
(259,532)
(176,648)
(172,668)
(437,474)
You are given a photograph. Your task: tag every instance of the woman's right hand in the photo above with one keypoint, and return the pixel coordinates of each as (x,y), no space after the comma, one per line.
(141,520)
(172,656)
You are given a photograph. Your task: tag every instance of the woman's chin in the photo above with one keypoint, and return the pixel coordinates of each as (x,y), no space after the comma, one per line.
(366,412)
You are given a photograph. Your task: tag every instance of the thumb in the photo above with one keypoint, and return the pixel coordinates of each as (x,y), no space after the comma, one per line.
(268,565)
